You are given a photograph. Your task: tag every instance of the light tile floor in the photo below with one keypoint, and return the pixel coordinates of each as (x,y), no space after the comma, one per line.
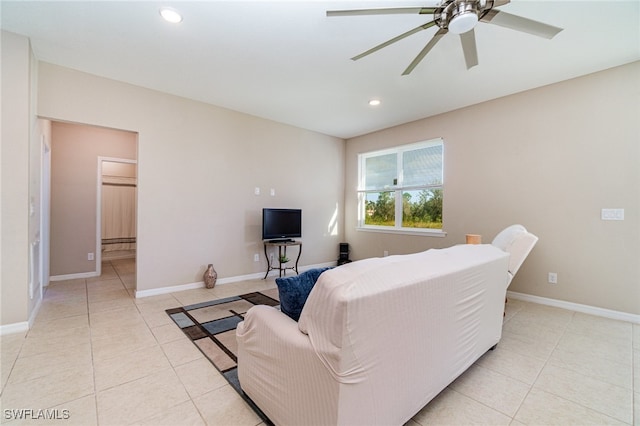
(109,359)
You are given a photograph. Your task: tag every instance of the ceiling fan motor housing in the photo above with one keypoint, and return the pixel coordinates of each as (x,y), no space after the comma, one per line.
(459,16)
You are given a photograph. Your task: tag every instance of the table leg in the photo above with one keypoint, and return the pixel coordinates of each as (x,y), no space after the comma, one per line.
(298,258)
(268,263)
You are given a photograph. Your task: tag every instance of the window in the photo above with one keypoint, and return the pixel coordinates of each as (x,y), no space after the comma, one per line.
(400,189)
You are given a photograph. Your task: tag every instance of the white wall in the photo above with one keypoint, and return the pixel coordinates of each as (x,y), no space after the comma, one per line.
(550,159)
(198,166)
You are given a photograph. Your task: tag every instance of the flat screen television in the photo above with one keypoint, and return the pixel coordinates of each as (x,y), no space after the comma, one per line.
(281,224)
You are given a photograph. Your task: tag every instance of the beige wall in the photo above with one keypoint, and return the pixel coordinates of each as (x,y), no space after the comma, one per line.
(20,180)
(550,159)
(74,173)
(198,166)
(14,178)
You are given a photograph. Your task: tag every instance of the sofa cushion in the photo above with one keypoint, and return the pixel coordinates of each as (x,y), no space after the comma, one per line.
(294,291)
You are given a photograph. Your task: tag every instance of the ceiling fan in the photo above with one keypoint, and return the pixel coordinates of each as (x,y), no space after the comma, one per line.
(458,17)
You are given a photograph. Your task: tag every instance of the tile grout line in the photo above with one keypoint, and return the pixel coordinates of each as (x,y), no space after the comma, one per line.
(546,362)
(93,366)
(13,364)
(564,333)
(160,345)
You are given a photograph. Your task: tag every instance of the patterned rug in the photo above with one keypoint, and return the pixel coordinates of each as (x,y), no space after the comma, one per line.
(211,326)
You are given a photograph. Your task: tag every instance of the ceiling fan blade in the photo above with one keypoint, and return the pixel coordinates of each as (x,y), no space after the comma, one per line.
(498,3)
(384,11)
(395,39)
(435,39)
(468,40)
(519,23)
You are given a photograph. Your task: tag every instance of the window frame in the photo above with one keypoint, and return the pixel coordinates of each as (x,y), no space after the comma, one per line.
(398,189)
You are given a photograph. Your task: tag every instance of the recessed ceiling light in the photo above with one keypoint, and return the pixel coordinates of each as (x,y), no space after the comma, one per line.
(171,15)
(374,102)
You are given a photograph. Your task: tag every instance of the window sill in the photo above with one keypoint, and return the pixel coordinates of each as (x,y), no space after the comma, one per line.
(437,233)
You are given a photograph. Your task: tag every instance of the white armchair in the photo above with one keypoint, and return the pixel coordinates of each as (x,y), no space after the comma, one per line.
(518,242)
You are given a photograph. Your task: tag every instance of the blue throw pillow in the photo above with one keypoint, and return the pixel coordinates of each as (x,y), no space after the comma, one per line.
(294,291)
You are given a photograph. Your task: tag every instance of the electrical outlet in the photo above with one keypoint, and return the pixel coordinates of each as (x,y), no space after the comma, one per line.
(256,257)
(553,278)
(385,253)
(90,256)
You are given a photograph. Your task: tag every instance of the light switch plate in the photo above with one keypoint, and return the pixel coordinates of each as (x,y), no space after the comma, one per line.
(612,214)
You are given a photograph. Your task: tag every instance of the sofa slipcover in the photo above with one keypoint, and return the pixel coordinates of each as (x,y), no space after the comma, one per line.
(377,339)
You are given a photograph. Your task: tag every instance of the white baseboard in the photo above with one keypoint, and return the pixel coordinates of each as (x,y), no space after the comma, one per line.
(165,290)
(24,326)
(221,281)
(18,327)
(585,309)
(21,327)
(74,276)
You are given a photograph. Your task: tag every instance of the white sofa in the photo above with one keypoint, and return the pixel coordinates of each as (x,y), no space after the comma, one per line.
(377,339)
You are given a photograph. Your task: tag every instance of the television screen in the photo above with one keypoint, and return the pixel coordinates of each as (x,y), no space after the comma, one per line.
(281,224)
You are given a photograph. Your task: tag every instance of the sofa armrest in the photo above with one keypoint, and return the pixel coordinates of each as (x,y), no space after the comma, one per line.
(280,371)
(263,324)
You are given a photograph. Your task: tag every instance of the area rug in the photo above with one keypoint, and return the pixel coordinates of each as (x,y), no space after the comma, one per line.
(211,326)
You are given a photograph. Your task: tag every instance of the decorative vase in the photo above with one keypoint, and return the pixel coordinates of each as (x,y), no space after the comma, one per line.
(210,276)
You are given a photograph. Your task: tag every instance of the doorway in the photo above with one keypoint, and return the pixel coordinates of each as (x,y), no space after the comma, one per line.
(116,208)
(78,152)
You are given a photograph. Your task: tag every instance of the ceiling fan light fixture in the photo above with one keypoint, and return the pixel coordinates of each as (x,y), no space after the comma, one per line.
(463,22)
(171,15)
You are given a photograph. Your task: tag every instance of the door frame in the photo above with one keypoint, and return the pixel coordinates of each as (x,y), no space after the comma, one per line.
(45,212)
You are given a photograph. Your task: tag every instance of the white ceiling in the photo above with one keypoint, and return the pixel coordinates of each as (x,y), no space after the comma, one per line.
(286,61)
